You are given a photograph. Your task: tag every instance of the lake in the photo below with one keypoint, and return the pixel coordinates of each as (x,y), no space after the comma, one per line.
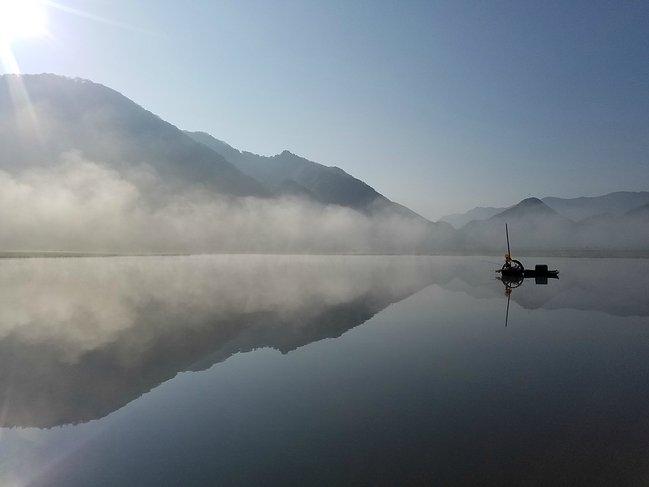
(322,370)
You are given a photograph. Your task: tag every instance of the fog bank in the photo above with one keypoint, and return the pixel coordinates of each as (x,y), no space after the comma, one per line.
(76,204)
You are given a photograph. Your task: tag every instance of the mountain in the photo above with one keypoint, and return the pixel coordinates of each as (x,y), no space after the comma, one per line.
(533,225)
(326,184)
(576,209)
(83,168)
(529,208)
(617,203)
(57,115)
(629,231)
(44,117)
(458,220)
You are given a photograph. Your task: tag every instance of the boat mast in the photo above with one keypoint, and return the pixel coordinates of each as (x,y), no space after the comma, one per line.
(509,252)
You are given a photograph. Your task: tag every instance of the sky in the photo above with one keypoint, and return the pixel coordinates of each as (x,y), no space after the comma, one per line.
(441,106)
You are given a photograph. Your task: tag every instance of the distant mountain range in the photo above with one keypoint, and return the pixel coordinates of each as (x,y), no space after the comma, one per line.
(535,226)
(576,209)
(189,190)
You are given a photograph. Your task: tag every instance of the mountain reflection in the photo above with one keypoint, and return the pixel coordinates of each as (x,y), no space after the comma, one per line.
(80,338)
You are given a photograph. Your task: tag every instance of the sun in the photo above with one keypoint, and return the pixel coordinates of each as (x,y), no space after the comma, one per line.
(21,19)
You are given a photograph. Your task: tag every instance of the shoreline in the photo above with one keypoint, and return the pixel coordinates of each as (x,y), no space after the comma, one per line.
(575,254)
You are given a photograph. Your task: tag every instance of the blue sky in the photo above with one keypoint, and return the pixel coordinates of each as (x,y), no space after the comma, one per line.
(441,106)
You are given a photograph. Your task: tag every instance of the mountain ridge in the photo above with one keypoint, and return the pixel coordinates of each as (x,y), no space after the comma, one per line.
(128,181)
(328,184)
(104,125)
(576,209)
(90,148)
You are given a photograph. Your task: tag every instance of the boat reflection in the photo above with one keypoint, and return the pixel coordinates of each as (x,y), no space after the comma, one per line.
(81,338)
(512,281)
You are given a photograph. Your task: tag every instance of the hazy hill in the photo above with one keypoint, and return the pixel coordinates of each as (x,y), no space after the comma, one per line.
(576,209)
(458,220)
(83,168)
(289,172)
(629,231)
(617,203)
(528,208)
(533,225)
(45,116)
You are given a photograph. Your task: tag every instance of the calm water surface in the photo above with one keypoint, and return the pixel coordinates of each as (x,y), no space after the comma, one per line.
(267,370)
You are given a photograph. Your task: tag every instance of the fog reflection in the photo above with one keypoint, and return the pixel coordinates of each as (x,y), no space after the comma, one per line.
(80,338)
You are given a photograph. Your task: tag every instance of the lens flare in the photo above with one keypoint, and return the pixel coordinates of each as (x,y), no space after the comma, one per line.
(21,19)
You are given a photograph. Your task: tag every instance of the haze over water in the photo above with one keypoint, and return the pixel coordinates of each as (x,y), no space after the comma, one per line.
(326,370)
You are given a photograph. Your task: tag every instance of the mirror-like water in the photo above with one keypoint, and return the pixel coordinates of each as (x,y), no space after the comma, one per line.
(294,370)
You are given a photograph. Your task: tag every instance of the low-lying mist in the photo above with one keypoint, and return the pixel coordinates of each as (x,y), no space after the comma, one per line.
(81,205)
(85,169)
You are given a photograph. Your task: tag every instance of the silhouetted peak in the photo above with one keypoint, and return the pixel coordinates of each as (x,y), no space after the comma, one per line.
(287,155)
(528,207)
(531,202)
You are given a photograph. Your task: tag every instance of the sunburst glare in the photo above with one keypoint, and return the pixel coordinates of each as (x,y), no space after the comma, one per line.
(21,19)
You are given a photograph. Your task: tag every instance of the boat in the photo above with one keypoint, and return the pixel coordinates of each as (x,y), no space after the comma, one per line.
(513,273)
(514,270)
